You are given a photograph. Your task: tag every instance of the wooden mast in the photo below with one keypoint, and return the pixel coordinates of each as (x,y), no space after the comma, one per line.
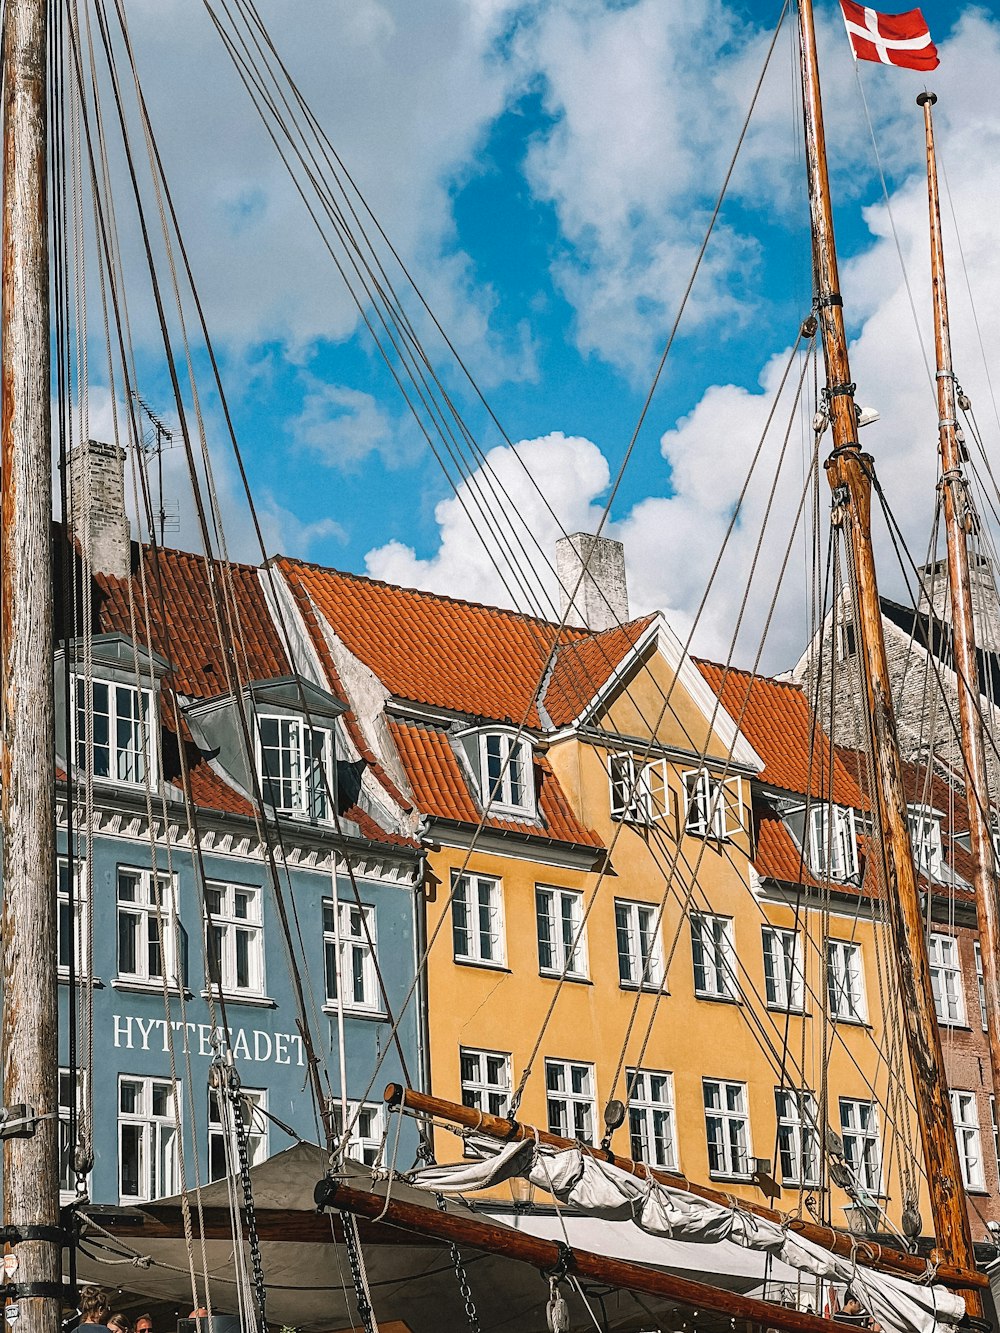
(500,1127)
(27,762)
(954,490)
(850,473)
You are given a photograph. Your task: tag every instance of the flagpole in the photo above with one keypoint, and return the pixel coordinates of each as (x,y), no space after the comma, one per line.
(850,475)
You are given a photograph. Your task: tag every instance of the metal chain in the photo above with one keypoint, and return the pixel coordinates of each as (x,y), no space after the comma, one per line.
(365,1312)
(231,1089)
(464,1288)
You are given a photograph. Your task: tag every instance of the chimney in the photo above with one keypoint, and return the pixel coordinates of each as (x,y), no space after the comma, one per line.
(602,597)
(985,600)
(97,507)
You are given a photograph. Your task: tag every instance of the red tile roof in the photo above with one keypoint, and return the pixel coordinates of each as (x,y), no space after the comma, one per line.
(583,666)
(442,790)
(776,719)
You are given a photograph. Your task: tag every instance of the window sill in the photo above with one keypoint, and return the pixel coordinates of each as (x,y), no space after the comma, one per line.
(241,997)
(954,1026)
(78,980)
(647,988)
(481,964)
(150,987)
(716,999)
(851,1022)
(496,811)
(727,1175)
(557,976)
(370,1015)
(788,1009)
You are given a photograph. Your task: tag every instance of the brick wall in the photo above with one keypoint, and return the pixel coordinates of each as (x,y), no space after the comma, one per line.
(97,506)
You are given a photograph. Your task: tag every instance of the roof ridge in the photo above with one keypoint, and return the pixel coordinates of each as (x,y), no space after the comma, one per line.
(748,674)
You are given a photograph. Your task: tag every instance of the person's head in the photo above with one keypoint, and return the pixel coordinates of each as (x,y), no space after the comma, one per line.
(144,1323)
(95,1307)
(851,1303)
(119,1324)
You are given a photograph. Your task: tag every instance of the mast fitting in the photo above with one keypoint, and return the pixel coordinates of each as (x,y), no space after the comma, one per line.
(926,96)
(830,299)
(839,390)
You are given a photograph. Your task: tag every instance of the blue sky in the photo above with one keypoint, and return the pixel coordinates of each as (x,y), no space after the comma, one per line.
(547,170)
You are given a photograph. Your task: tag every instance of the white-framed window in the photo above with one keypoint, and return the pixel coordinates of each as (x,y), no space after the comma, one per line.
(639,792)
(486,1080)
(508,783)
(234,937)
(223,1149)
(784,984)
(651,1122)
(295,766)
(356,964)
(477,919)
(714,805)
(367,1131)
(833,842)
(925,835)
(847,640)
(845,981)
(71,918)
(640,957)
(965,1114)
(113,722)
(570,1098)
(996,1129)
(862,1146)
(147,915)
(713,956)
(727,1127)
(798,1138)
(946,978)
(562,945)
(980,983)
(148,1120)
(70,1092)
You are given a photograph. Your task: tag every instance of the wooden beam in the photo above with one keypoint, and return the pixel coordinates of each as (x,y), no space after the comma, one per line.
(847,1246)
(295,1226)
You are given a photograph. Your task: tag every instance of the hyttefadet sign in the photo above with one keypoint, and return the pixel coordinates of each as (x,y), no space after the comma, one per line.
(255,1047)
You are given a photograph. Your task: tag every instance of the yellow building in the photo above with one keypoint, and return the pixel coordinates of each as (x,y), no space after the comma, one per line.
(644,882)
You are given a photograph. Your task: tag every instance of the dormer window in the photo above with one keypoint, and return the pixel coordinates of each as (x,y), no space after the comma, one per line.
(112,729)
(833,842)
(714,805)
(925,836)
(638,789)
(295,766)
(507,782)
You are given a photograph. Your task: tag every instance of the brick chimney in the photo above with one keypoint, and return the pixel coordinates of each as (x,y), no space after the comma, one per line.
(97,507)
(602,597)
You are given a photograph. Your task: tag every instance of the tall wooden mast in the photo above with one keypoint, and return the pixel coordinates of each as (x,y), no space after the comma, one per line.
(27,762)
(849,472)
(954,491)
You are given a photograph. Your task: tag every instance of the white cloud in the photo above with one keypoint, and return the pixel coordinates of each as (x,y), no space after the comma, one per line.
(340,426)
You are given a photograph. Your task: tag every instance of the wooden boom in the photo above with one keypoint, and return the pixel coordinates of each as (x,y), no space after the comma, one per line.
(548,1255)
(865,1252)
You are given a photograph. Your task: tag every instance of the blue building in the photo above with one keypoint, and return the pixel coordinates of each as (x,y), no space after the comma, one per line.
(236,878)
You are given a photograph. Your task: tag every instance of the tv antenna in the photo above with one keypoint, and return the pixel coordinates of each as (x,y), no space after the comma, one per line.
(152,444)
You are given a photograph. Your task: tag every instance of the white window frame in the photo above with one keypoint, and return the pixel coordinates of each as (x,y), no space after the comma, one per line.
(859,1131)
(968,1138)
(837,857)
(355,951)
(798,1137)
(129,764)
(367,1131)
(713,805)
(571,1112)
(713,953)
(67,1150)
(925,838)
(144,909)
(640,951)
(784,982)
(639,792)
(486,1078)
(153,1128)
(946,979)
(563,928)
(221,1128)
(78,925)
(296,791)
(727,1129)
(652,1119)
(847,639)
(228,925)
(480,899)
(845,981)
(996,1129)
(514,777)
(980,983)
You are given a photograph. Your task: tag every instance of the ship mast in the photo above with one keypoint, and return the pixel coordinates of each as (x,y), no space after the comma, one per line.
(27,762)
(957,508)
(850,473)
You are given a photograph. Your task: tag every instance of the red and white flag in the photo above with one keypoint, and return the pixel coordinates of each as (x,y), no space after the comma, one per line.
(891,39)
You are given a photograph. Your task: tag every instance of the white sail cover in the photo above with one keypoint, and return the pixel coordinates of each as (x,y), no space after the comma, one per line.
(598,1189)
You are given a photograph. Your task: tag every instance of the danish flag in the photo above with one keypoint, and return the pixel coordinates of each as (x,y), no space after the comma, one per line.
(892,39)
